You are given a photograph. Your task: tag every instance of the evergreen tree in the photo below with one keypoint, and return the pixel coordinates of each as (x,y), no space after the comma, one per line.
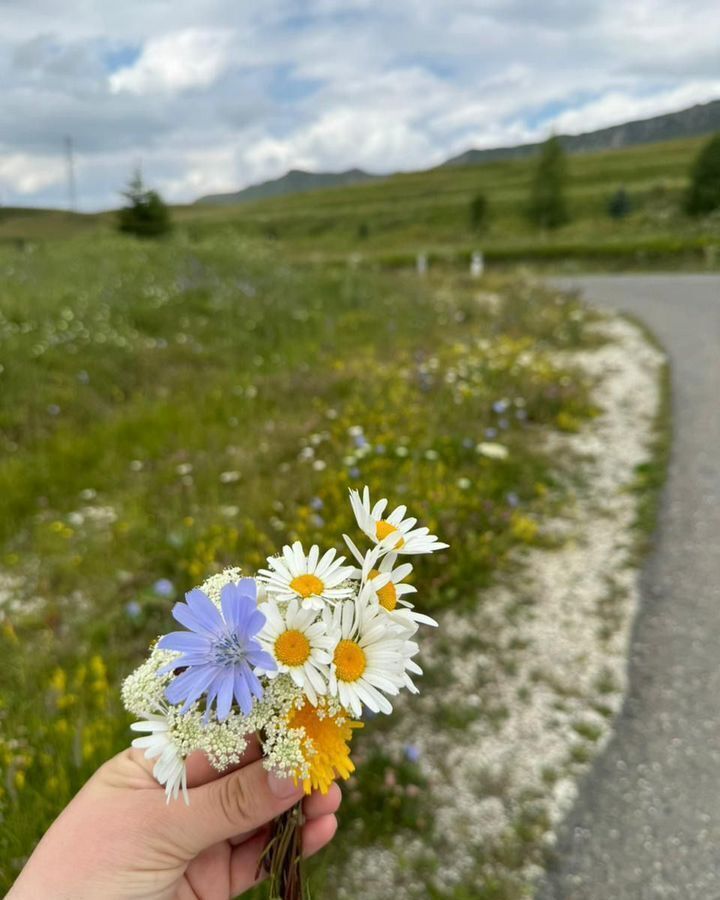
(547,195)
(145,214)
(619,205)
(478,212)
(703,195)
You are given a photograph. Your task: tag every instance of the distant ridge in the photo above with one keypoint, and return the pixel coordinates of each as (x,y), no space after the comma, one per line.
(294,182)
(697,120)
(693,122)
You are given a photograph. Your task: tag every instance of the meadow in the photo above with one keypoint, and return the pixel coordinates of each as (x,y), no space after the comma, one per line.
(170,408)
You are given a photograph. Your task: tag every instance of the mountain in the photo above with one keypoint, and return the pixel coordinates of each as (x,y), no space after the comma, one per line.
(294,182)
(697,120)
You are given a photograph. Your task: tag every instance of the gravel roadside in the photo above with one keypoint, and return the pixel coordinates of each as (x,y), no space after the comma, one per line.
(538,708)
(647,821)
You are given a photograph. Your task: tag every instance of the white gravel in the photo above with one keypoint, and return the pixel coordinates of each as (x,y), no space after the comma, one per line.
(560,666)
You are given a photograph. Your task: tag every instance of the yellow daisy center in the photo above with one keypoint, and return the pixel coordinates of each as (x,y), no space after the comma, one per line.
(387,595)
(327,752)
(292,648)
(383,529)
(307,585)
(350,661)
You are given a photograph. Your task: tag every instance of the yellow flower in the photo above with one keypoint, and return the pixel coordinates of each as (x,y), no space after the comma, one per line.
(329,735)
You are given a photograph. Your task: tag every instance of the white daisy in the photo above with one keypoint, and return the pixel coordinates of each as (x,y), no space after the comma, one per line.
(384,586)
(368,661)
(394,531)
(410,649)
(169,770)
(315,580)
(299,641)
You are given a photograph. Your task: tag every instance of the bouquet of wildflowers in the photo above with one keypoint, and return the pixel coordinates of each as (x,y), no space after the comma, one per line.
(294,655)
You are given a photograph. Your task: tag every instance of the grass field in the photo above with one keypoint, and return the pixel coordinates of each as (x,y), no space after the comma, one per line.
(170,408)
(390,221)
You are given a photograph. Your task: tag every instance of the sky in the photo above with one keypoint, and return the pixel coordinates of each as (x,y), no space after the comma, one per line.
(212,95)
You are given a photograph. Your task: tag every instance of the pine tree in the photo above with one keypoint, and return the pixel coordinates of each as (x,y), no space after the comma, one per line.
(547,195)
(145,214)
(478,212)
(619,205)
(703,195)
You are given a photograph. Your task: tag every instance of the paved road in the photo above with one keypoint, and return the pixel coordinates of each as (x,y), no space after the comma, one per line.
(647,822)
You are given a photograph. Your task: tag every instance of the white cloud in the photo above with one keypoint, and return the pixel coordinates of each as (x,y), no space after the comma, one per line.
(225,93)
(24,174)
(178,61)
(617,107)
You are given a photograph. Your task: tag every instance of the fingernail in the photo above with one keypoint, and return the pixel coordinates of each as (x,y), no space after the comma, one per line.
(283,787)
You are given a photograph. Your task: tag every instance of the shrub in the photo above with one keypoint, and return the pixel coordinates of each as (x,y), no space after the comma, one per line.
(619,205)
(703,195)
(145,214)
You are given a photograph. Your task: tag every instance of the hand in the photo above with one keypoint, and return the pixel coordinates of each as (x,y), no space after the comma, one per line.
(118,840)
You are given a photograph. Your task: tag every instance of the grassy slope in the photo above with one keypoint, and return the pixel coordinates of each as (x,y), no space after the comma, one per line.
(429,211)
(167,409)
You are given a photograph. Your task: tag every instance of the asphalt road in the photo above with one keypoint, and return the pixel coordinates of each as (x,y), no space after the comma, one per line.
(647,822)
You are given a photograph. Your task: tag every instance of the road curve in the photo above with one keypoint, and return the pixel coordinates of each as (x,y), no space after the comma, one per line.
(646,824)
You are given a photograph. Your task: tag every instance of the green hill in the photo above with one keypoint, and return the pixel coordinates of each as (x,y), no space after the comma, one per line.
(428,211)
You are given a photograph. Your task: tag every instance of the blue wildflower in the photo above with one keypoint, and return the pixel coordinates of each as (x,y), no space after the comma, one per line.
(219,650)
(133,609)
(412,753)
(163,587)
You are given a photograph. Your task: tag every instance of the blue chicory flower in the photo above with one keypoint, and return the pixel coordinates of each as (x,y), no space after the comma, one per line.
(219,650)
(412,753)
(163,587)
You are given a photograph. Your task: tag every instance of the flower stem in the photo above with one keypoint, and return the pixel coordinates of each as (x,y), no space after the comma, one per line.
(282,857)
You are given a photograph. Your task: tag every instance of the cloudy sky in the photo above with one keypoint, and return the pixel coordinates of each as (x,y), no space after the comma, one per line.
(212,95)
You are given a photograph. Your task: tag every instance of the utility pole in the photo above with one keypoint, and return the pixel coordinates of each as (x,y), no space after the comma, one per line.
(70,161)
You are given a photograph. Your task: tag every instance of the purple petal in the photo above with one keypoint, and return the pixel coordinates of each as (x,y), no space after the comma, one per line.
(190,685)
(249,588)
(261,659)
(184,642)
(204,610)
(252,682)
(186,616)
(237,606)
(242,691)
(255,622)
(225,696)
